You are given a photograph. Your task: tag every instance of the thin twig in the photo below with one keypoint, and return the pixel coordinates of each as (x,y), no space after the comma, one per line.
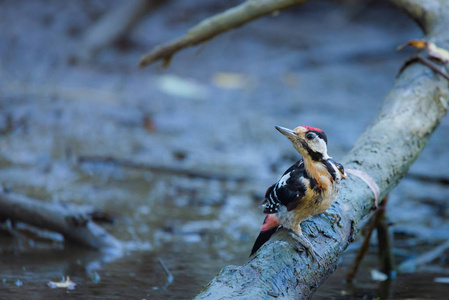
(425,61)
(170,277)
(385,247)
(425,258)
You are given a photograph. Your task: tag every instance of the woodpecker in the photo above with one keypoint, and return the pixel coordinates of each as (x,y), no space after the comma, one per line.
(306,189)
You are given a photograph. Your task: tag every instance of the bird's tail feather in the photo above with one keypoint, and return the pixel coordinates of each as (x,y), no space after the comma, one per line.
(263,237)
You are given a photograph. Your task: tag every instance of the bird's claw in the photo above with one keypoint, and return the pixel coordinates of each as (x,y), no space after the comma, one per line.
(336,218)
(305,243)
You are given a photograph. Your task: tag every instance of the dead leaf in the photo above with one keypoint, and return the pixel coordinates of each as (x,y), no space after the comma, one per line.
(67,284)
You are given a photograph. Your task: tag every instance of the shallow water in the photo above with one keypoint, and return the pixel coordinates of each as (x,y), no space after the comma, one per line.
(140,275)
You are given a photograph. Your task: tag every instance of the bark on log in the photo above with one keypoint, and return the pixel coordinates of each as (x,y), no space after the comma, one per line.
(386,150)
(74,224)
(213,26)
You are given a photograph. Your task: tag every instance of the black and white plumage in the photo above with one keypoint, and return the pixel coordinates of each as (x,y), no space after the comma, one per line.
(293,185)
(307,188)
(287,191)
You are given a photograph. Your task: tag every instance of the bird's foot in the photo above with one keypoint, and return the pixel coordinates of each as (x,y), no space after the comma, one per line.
(305,243)
(336,218)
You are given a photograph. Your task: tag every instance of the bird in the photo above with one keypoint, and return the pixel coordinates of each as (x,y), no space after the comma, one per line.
(307,188)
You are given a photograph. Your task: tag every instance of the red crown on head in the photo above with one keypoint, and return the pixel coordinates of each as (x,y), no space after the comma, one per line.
(312,128)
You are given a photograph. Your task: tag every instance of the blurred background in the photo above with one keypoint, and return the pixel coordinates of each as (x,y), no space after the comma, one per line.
(181,157)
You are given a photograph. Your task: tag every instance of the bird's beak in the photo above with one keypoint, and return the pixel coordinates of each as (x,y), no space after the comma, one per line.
(345,175)
(287,132)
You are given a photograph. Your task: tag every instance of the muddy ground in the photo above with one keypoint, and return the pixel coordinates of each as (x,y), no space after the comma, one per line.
(182,156)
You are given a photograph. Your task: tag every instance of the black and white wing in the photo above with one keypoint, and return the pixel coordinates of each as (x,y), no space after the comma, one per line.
(288,191)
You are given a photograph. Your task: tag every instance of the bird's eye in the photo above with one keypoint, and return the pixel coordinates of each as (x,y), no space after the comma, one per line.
(310,136)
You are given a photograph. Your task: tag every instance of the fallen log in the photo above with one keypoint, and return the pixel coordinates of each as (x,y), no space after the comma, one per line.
(74,224)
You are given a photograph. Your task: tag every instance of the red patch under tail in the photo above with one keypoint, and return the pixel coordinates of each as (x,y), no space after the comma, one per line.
(270,222)
(270,225)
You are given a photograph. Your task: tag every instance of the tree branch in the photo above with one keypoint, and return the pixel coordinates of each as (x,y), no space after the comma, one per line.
(74,224)
(386,150)
(213,26)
